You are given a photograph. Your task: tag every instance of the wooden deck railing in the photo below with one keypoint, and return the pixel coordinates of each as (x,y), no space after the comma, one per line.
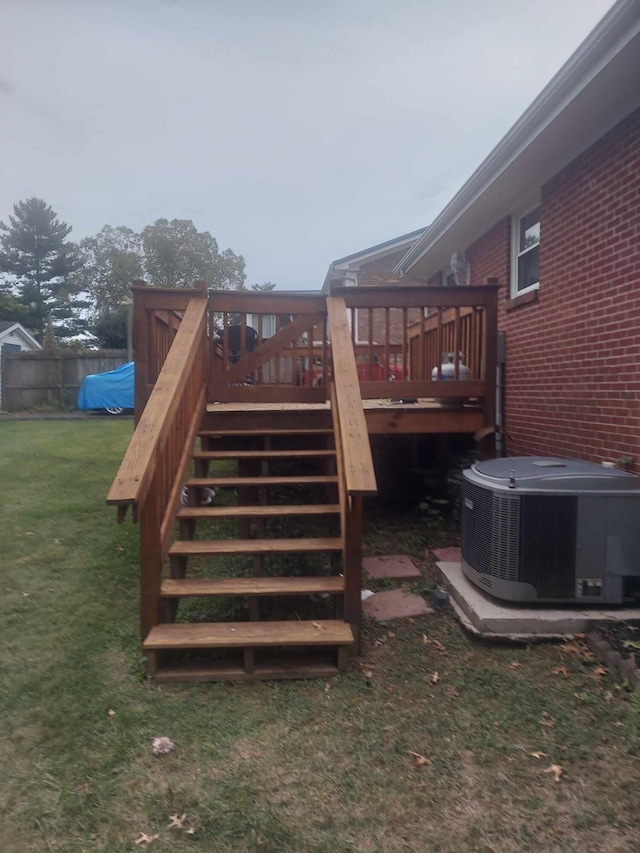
(153,470)
(157,313)
(400,334)
(356,476)
(268,347)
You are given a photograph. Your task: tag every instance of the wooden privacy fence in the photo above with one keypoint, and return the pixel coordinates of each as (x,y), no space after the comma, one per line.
(31,380)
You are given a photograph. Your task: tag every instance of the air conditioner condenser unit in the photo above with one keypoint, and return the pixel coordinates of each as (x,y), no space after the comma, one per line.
(551,530)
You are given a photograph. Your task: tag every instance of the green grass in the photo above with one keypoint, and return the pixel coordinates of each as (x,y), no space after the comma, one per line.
(292,767)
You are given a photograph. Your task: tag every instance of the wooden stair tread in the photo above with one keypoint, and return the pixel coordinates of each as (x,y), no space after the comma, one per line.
(256,510)
(203,547)
(203,482)
(183,587)
(261,454)
(208,635)
(224,433)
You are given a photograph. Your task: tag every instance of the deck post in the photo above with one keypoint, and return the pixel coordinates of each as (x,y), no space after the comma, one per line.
(353,568)
(141,348)
(491,354)
(150,560)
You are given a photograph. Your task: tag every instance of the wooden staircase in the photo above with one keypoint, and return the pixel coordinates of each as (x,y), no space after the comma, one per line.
(264,581)
(260,503)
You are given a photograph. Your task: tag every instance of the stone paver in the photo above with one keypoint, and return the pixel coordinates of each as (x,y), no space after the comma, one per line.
(395,604)
(446,555)
(394,567)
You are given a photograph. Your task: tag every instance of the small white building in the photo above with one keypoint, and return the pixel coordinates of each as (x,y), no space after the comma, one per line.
(14,338)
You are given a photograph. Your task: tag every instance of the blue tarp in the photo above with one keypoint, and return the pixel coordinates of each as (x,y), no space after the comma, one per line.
(112,390)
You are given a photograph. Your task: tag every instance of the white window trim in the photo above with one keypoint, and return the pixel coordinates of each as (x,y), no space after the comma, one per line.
(515,248)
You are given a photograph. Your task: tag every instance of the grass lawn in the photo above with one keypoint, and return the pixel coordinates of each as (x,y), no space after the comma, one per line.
(297,767)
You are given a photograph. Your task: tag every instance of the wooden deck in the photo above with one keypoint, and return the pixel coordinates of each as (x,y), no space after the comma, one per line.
(277,388)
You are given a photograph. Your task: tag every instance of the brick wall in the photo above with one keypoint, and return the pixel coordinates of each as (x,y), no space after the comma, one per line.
(573,356)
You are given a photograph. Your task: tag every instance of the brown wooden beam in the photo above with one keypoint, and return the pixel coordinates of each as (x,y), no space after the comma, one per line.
(415,297)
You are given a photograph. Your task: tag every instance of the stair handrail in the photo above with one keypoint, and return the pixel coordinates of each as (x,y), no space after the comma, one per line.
(183,371)
(359,474)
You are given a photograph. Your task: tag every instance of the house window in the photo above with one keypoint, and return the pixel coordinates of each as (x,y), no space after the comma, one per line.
(527,252)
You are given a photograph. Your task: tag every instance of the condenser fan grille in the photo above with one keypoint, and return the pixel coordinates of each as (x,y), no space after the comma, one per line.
(490,531)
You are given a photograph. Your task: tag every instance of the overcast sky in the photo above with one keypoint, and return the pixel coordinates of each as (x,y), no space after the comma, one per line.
(295,131)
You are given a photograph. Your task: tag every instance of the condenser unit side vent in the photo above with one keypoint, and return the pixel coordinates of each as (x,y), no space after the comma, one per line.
(506,537)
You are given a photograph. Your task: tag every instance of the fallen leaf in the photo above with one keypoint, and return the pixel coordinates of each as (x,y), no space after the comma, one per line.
(451,692)
(580,696)
(162,745)
(411,621)
(111,712)
(57,542)
(560,670)
(191,830)
(538,754)
(28,533)
(391,634)
(439,646)
(514,664)
(570,648)
(357,700)
(557,771)
(145,840)
(177,821)
(588,655)
(435,678)
(618,724)
(608,696)
(421,760)
(600,670)
(120,548)
(579,636)
(316,625)
(368,674)
(633,628)
(426,640)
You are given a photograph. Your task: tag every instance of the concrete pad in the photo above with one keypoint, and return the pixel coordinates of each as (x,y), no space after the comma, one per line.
(494,619)
(446,555)
(394,567)
(395,604)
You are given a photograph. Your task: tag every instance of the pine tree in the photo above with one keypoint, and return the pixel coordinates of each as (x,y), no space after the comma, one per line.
(34,250)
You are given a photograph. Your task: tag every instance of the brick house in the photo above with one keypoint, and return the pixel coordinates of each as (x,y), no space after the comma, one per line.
(553,213)
(374,267)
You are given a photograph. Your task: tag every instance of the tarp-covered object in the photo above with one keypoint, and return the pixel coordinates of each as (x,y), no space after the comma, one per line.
(111,390)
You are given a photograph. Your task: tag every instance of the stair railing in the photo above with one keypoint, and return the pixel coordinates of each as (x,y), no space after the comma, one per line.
(154,467)
(356,476)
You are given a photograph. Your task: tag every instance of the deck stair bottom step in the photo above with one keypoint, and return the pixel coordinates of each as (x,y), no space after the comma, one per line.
(221,635)
(184,587)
